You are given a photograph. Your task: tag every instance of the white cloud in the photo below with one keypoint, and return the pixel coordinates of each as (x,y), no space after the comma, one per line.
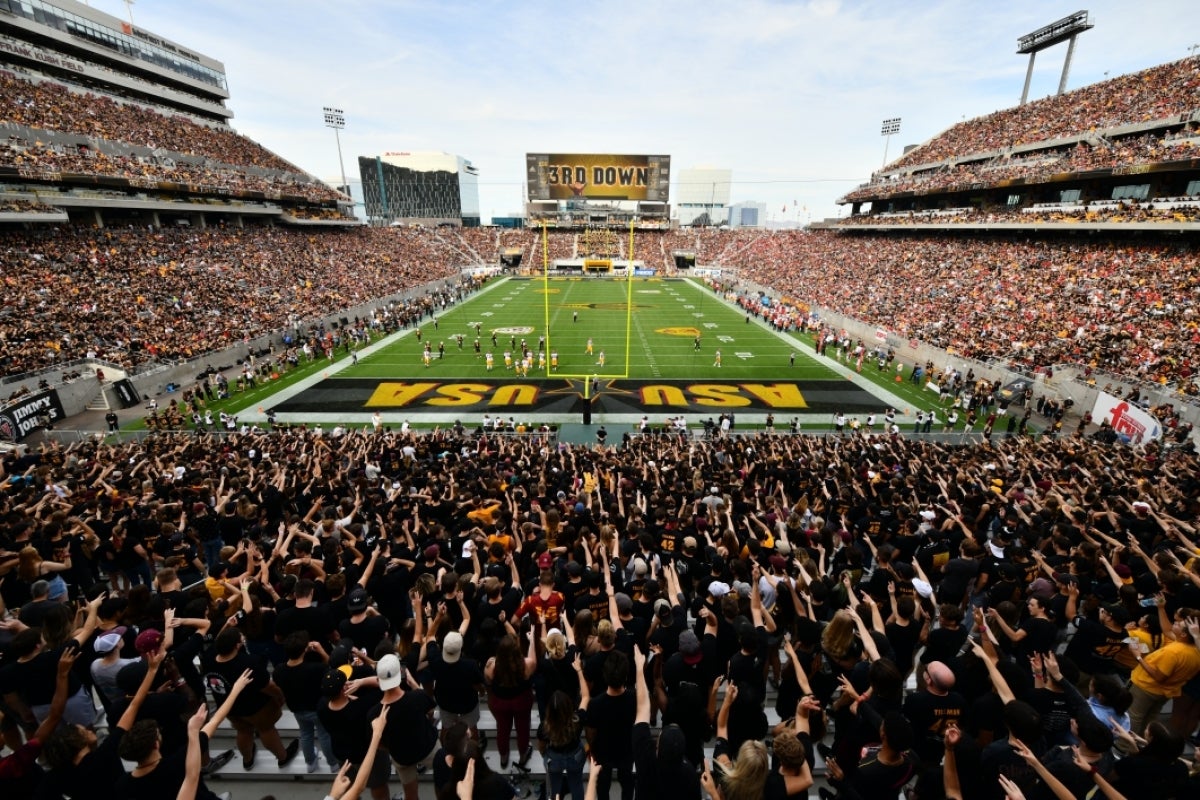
(786,93)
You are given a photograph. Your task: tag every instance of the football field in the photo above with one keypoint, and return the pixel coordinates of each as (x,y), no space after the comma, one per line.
(630,347)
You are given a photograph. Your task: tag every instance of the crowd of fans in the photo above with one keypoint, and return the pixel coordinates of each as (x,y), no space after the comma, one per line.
(51,161)
(51,106)
(1154,94)
(132,295)
(21,206)
(1043,594)
(1184,211)
(1037,166)
(1122,306)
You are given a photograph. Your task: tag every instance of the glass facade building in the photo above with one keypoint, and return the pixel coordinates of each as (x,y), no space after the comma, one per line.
(420,188)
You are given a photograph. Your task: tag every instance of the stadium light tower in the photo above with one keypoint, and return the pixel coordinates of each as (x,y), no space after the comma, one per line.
(1064,30)
(890,126)
(336,119)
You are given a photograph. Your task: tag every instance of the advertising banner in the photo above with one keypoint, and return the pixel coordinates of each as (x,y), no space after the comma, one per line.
(565,176)
(1128,421)
(28,414)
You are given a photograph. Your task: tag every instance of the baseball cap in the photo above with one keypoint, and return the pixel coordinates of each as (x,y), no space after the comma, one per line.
(358,600)
(199,508)
(778,562)
(148,641)
(718,589)
(389,671)
(624,603)
(1124,573)
(545,560)
(1119,613)
(574,568)
(689,648)
(431,551)
(1065,577)
(452,647)
(922,588)
(662,609)
(109,641)
(1042,588)
(783,548)
(689,543)
(332,683)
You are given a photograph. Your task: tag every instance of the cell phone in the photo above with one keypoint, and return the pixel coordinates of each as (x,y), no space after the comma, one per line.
(1147,602)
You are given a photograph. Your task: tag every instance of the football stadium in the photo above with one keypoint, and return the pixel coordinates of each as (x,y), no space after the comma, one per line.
(333,488)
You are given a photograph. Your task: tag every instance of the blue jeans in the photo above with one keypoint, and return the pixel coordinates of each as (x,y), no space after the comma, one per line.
(212,551)
(566,771)
(139,574)
(310,725)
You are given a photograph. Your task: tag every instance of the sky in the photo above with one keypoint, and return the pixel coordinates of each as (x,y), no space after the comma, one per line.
(788,94)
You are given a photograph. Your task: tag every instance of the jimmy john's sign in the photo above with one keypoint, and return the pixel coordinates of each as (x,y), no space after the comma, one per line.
(28,414)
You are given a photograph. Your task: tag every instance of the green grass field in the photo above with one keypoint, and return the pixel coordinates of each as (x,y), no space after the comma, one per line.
(657,342)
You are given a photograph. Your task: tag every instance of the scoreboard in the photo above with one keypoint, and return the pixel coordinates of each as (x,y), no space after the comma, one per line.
(563,176)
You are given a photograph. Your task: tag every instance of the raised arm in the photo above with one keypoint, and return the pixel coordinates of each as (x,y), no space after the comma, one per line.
(998,683)
(643,692)
(154,661)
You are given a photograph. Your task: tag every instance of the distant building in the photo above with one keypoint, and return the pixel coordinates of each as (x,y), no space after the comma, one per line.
(748,215)
(702,196)
(420,188)
(69,41)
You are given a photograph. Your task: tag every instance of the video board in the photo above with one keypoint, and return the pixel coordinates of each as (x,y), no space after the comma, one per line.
(596,176)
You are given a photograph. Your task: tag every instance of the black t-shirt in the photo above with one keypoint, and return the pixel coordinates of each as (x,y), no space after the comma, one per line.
(943,644)
(956,578)
(904,639)
(930,714)
(350,727)
(300,684)
(612,717)
(219,677)
(316,620)
(1144,778)
(455,685)
(1041,636)
(95,776)
(652,778)
(365,634)
(560,675)
(34,680)
(165,779)
(874,780)
(410,734)
(1094,647)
